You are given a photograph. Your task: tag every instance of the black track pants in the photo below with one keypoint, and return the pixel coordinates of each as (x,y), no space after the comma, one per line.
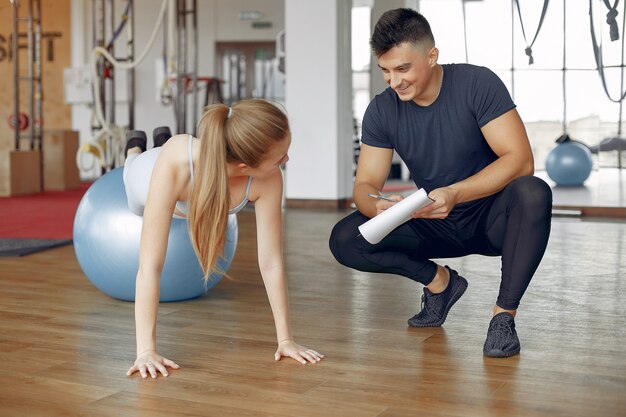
(514,224)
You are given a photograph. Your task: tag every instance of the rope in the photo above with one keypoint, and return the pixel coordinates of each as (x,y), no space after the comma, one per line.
(117,64)
(116,133)
(528,49)
(610,19)
(597,53)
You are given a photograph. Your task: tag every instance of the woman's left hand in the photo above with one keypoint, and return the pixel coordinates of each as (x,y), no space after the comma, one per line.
(289,348)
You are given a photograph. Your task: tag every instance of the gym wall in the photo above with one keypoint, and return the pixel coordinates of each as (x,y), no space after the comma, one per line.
(55,55)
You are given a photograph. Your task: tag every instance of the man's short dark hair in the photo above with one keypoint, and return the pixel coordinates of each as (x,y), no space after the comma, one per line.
(398,26)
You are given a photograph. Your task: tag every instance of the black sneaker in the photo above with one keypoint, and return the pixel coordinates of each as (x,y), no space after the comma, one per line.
(135,138)
(502,340)
(435,307)
(160,135)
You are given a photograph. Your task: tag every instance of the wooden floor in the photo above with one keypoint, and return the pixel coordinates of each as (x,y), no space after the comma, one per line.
(65,346)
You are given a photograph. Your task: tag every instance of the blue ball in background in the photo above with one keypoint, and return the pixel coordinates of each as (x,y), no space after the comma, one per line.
(106,243)
(569,163)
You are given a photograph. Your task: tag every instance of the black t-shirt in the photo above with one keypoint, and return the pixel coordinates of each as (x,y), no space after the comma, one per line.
(441,144)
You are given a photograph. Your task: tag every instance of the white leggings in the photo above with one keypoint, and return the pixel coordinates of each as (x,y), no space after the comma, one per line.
(137,173)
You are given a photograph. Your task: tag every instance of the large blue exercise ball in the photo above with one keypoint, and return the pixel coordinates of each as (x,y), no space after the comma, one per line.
(569,163)
(106,242)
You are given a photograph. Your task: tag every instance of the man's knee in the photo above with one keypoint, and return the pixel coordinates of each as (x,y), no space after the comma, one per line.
(343,238)
(532,193)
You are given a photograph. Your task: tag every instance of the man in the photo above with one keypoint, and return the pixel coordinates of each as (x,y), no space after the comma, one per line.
(456,128)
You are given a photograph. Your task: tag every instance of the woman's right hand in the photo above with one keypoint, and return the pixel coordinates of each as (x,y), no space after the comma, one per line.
(151,363)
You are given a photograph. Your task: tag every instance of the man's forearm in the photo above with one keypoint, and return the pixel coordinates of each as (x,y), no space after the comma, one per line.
(366,205)
(493,178)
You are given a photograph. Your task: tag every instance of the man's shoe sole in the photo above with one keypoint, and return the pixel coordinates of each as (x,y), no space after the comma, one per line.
(497,353)
(455,297)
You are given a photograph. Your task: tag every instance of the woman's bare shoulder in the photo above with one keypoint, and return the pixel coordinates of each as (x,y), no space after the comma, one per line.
(172,164)
(177,141)
(174,157)
(176,148)
(268,185)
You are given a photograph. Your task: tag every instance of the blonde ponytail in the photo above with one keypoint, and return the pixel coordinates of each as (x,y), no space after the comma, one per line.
(208,202)
(243,133)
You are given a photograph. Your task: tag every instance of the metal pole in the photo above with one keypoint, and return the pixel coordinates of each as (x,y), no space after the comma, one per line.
(111,69)
(94,28)
(99,36)
(194,18)
(16,75)
(234,70)
(179,66)
(131,72)
(181,70)
(238,72)
(31,59)
(38,119)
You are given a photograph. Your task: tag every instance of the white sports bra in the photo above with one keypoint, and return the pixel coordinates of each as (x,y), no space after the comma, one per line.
(181,206)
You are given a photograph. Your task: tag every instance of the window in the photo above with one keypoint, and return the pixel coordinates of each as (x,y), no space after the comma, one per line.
(494,39)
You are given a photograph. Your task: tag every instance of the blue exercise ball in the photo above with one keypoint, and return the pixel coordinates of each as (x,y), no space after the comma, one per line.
(106,242)
(569,163)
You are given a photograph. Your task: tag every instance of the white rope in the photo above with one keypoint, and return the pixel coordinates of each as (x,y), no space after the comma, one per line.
(117,133)
(123,65)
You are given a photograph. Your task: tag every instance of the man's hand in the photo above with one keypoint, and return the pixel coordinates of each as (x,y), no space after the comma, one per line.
(445,200)
(382,205)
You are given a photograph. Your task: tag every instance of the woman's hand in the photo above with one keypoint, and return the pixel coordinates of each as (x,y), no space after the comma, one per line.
(152,363)
(289,348)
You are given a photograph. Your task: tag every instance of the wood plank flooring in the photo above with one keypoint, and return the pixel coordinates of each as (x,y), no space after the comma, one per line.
(65,346)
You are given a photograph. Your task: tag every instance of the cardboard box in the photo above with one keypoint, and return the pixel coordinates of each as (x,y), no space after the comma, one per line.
(59,160)
(22,173)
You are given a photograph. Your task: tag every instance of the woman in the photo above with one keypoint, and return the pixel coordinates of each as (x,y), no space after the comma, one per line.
(236,159)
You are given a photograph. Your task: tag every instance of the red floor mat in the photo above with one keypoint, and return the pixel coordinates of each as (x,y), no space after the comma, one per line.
(48,215)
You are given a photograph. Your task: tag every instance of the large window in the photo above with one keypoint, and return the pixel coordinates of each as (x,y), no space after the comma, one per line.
(553,95)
